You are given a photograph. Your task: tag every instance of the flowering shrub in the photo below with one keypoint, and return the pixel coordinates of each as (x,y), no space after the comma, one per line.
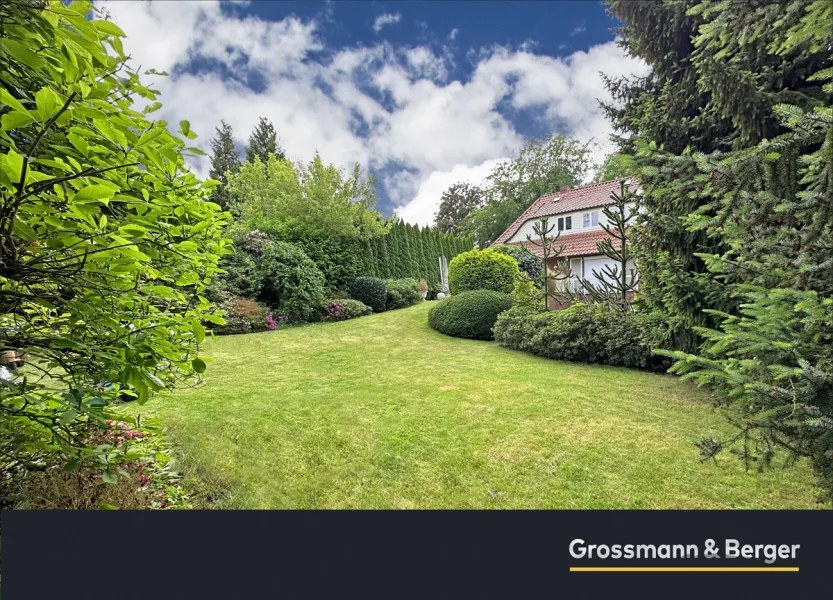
(243,316)
(270,323)
(139,474)
(342,310)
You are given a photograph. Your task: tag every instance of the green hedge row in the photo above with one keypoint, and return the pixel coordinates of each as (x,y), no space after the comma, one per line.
(585,333)
(410,251)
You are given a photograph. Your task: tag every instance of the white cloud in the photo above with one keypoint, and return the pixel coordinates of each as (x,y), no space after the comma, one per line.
(391,108)
(386,19)
(578,29)
(426,200)
(453,34)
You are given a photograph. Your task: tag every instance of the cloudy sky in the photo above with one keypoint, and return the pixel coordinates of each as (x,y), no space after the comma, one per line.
(421,94)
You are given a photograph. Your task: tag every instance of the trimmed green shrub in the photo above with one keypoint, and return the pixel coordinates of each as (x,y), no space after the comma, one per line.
(402,293)
(469,314)
(370,291)
(291,284)
(343,309)
(242,316)
(585,333)
(482,270)
(528,262)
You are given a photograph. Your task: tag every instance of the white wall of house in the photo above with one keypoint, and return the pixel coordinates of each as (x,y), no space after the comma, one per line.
(578,222)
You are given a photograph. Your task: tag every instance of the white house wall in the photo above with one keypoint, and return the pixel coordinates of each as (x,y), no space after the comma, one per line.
(578,222)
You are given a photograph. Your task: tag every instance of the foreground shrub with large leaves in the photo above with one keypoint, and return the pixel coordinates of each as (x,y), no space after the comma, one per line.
(469,314)
(584,333)
(106,239)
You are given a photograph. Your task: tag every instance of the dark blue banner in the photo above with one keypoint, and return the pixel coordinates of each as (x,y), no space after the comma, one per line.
(363,554)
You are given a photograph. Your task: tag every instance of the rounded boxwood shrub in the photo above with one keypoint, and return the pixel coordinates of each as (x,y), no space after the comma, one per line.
(482,270)
(371,291)
(529,263)
(469,314)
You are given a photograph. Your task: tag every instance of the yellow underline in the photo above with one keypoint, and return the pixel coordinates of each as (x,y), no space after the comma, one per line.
(689,569)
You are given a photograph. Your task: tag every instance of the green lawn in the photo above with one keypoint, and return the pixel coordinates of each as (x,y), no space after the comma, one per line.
(383,412)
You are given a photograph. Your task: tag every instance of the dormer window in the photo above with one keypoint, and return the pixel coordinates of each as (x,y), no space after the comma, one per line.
(565,223)
(590,219)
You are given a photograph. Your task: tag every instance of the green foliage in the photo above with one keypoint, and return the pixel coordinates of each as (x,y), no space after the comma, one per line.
(370,291)
(525,294)
(224,159)
(772,367)
(407,251)
(291,284)
(542,166)
(455,205)
(344,309)
(584,333)
(107,242)
(733,247)
(402,293)
(469,314)
(482,270)
(263,143)
(272,195)
(242,315)
(713,93)
(528,262)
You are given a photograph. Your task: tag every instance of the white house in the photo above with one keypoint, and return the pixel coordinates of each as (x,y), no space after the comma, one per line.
(577,214)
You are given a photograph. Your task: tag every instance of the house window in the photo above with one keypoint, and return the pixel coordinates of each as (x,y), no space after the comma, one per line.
(590,219)
(565,223)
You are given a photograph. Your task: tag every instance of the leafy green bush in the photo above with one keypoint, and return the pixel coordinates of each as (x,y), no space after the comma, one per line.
(528,262)
(525,293)
(344,309)
(482,270)
(402,293)
(584,333)
(242,316)
(469,314)
(107,238)
(291,284)
(370,291)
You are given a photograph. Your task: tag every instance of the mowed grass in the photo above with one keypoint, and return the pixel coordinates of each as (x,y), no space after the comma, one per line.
(383,412)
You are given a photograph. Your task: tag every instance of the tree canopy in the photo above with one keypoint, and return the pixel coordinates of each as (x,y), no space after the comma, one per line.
(542,166)
(263,142)
(456,204)
(224,159)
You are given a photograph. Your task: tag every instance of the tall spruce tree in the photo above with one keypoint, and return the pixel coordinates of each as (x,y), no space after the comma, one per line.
(752,199)
(696,100)
(263,142)
(224,159)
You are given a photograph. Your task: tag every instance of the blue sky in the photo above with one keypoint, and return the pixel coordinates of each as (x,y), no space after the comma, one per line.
(421,94)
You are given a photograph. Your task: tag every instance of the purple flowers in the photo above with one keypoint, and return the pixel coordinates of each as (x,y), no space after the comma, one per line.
(270,322)
(336,309)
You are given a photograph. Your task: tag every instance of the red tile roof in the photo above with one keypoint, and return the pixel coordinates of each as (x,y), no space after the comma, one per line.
(589,196)
(575,244)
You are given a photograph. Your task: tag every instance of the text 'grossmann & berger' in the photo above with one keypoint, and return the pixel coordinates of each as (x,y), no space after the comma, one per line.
(732,549)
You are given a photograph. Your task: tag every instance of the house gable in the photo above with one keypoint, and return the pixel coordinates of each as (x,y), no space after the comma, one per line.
(573,203)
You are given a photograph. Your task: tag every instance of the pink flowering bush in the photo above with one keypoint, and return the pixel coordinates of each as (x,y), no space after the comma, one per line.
(341,310)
